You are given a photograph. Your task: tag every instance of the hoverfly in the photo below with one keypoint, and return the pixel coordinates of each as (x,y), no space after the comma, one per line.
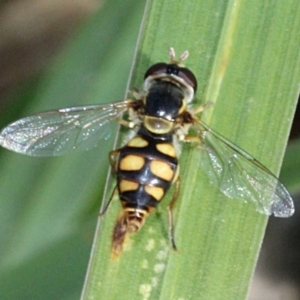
(147,165)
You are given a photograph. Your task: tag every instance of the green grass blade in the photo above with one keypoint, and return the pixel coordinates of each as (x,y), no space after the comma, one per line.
(245,56)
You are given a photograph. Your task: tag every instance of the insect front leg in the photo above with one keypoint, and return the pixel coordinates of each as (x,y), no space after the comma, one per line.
(125,123)
(134,110)
(201,108)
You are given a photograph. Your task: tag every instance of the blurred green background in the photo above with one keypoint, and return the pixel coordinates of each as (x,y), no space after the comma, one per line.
(55,55)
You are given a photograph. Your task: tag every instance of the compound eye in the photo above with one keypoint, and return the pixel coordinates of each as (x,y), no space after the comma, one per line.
(189,77)
(159,68)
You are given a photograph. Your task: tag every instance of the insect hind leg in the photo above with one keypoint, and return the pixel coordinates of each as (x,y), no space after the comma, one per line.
(107,205)
(114,159)
(170,213)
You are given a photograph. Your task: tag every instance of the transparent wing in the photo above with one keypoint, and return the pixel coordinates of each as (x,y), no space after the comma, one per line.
(238,175)
(60,131)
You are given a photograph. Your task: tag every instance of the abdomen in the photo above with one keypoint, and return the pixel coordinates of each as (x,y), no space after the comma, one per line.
(147,167)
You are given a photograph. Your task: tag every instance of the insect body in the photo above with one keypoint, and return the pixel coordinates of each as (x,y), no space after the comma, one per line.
(147,165)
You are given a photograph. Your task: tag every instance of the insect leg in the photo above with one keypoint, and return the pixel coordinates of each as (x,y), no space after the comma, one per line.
(114,159)
(129,124)
(104,210)
(196,140)
(201,108)
(191,139)
(137,93)
(170,213)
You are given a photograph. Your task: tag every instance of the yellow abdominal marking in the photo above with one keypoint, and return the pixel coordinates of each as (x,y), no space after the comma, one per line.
(161,169)
(127,185)
(138,142)
(167,149)
(155,192)
(132,163)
